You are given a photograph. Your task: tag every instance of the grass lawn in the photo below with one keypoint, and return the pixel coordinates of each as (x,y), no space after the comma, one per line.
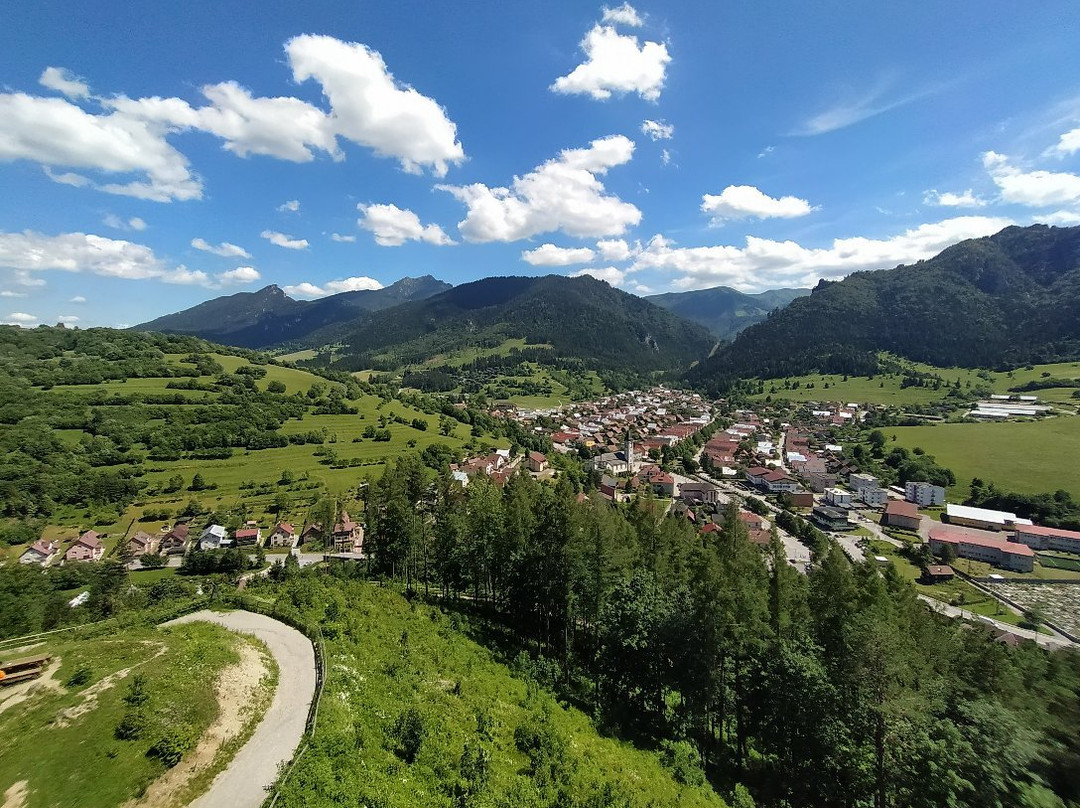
(1029,456)
(62,741)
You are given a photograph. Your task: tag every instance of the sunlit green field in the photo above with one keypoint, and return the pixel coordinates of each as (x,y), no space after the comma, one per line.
(885,389)
(1031,456)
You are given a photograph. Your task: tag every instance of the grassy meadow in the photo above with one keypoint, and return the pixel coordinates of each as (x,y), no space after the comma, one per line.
(62,739)
(1029,456)
(886,389)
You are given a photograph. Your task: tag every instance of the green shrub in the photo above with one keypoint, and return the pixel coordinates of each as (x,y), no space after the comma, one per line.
(132,726)
(81,676)
(408,734)
(171,747)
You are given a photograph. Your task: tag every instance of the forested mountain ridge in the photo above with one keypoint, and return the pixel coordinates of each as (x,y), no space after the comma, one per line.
(1002,300)
(270,317)
(579,318)
(723,310)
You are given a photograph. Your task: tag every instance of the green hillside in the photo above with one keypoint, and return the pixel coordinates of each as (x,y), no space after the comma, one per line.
(726,311)
(120,430)
(430,718)
(581,319)
(1002,301)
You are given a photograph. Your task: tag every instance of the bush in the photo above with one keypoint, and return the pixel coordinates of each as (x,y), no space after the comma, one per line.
(81,676)
(172,746)
(132,726)
(684,762)
(408,734)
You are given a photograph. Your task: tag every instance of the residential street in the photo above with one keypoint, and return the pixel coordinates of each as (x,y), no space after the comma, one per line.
(243,784)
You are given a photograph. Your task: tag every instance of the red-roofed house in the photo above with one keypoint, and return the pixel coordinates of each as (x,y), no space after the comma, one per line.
(536,461)
(901,514)
(40,552)
(756,475)
(88,547)
(976,546)
(248,535)
(175,541)
(142,542)
(283,535)
(348,536)
(1048,538)
(776,481)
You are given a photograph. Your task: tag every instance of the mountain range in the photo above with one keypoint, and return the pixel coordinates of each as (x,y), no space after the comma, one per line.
(1003,300)
(723,310)
(580,318)
(270,317)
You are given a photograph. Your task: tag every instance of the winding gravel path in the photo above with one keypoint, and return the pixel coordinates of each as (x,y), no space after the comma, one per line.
(243,784)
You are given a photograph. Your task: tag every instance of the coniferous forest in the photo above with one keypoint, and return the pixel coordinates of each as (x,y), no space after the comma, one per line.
(836,688)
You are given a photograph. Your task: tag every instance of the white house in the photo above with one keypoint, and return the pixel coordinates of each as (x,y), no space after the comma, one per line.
(924,495)
(214,537)
(873,496)
(838,497)
(859,481)
(40,552)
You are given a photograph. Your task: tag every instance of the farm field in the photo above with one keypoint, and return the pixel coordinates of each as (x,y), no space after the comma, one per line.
(237,480)
(1029,457)
(61,742)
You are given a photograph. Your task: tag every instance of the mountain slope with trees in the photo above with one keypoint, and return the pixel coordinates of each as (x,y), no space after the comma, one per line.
(579,318)
(270,317)
(723,310)
(1000,301)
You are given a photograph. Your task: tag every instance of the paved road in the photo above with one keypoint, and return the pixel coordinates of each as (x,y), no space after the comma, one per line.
(1047,640)
(243,784)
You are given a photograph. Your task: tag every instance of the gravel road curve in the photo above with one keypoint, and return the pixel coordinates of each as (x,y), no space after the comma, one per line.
(243,784)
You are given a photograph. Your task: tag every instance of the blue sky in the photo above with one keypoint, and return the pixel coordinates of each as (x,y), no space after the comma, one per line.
(151,159)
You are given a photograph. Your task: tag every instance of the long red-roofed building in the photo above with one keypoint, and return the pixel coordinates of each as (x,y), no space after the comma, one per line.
(979,547)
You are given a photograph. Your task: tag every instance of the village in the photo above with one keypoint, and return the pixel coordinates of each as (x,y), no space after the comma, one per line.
(693,457)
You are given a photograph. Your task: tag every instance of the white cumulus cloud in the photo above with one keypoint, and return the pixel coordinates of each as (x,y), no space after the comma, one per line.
(658,130)
(56,132)
(767,264)
(1060,218)
(370,108)
(309,290)
(550,255)
(948,199)
(292,206)
(224,249)
(616,63)
(625,14)
(67,319)
(11,293)
(612,275)
(238,276)
(342,239)
(746,201)
(616,249)
(31,252)
(64,81)
(393,226)
(20,318)
(77,299)
(564,194)
(1069,143)
(282,240)
(1036,189)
